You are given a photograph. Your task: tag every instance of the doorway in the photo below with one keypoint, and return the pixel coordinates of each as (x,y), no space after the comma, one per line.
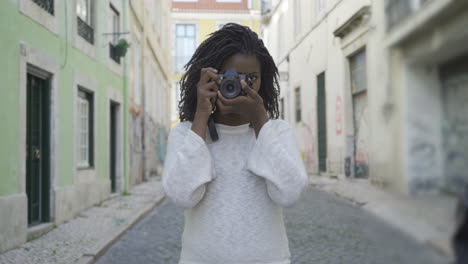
(113,145)
(322,122)
(37,148)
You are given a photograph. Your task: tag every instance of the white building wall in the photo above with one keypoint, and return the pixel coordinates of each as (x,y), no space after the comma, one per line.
(405,111)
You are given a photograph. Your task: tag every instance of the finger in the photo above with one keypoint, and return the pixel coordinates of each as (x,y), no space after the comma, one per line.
(249,91)
(212,86)
(209,94)
(212,76)
(222,99)
(204,74)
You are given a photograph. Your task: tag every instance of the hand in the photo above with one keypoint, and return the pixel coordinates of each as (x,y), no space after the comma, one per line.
(249,107)
(207,89)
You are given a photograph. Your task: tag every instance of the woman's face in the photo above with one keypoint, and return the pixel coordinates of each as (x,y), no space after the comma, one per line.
(244,64)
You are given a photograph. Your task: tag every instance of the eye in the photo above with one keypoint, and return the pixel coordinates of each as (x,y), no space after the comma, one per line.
(252,78)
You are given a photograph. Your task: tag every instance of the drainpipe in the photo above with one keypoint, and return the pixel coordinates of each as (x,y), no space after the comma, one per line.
(126,172)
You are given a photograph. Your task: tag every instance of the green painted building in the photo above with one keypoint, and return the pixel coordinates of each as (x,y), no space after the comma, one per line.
(63,120)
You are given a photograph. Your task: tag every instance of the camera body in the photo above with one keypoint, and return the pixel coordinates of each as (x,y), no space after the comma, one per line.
(231,84)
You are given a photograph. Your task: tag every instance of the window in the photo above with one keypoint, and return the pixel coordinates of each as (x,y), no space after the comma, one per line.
(297,17)
(319,5)
(115,24)
(84,20)
(185,45)
(357,65)
(297,95)
(85,129)
(115,18)
(47,5)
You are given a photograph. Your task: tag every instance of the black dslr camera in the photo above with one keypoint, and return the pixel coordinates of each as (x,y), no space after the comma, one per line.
(231,84)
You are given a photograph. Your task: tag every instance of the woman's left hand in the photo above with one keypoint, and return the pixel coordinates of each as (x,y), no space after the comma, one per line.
(249,107)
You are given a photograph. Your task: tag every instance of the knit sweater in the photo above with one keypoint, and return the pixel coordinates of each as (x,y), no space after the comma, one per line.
(233,192)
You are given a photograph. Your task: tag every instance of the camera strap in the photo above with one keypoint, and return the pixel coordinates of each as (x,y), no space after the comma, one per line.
(212,129)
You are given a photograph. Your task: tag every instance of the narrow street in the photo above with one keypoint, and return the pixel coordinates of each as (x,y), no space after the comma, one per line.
(322,228)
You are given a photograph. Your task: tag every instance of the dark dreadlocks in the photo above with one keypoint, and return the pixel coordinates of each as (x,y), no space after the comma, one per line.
(232,39)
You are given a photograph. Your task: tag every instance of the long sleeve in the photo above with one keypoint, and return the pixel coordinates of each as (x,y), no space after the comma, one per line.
(188,167)
(276,158)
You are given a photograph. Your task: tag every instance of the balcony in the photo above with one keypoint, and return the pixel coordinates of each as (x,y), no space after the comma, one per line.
(47,5)
(113,53)
(85,31)
(397,11)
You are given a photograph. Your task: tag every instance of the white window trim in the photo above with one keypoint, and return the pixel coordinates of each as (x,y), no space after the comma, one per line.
(90,84)
(41,16)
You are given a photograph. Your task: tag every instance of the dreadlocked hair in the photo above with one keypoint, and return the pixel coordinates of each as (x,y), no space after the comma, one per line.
(232,39)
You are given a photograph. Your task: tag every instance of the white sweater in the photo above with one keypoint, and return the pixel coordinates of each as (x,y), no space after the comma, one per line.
(233,191)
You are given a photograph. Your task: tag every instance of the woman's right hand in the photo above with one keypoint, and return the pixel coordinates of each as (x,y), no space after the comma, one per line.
(207,89)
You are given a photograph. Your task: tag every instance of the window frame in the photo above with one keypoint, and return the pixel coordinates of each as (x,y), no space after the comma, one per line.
(195,41)
(355,56)
(89,21)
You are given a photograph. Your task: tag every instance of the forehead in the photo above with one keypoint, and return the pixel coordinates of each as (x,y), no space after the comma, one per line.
(241,64)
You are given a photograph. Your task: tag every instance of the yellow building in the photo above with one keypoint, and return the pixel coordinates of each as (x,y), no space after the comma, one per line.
(193,21)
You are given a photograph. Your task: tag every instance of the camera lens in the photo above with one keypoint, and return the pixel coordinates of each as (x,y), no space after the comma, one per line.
(230,88)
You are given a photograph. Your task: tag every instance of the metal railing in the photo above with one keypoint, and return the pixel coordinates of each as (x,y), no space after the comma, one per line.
(85,30)
(47,5)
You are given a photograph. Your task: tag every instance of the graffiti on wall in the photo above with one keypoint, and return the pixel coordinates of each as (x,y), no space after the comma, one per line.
(339,116)
(309,152)
(361,133)
(422,156)
(148,148)
(455,131)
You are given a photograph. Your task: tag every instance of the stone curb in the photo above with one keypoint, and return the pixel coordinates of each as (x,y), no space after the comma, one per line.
(100,248)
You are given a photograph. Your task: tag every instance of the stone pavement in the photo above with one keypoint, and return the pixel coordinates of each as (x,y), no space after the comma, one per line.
(322,229)
(83,238)
(429,218)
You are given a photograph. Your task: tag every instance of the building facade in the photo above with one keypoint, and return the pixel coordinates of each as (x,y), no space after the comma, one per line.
(62,73)
(375,89)
(150,84)
(193,21)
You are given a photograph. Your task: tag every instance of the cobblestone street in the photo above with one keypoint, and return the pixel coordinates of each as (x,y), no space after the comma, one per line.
(322,228)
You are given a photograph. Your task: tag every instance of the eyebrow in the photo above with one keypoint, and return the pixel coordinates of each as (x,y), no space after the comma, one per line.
(249,73)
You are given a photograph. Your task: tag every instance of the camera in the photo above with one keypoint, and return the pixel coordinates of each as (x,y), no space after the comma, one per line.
(231,84)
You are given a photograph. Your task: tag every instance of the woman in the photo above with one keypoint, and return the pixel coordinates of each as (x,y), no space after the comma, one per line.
(234,188)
